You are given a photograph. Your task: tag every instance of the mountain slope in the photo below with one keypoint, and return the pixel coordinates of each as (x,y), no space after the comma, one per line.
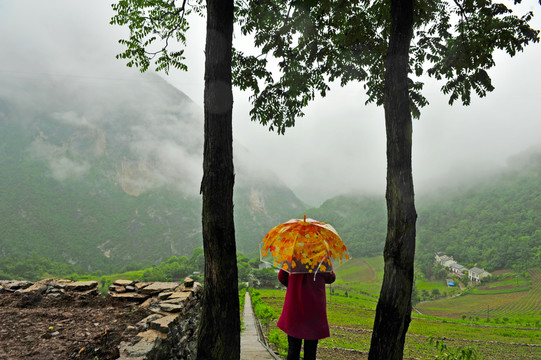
(495,223)
(101,173)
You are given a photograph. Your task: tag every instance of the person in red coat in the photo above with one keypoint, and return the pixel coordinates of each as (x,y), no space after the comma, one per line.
(304,315)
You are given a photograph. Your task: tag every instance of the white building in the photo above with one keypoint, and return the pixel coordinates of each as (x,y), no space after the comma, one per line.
(441,258)
(476,274)
(444,260)
(457,268)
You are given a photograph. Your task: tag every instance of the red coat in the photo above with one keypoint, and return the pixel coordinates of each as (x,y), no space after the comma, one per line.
(304,315)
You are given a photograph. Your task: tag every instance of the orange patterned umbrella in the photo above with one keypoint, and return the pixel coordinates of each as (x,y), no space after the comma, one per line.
(304,246)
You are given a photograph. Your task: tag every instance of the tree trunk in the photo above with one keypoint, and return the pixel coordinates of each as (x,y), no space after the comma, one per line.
(219,330)
(393,312)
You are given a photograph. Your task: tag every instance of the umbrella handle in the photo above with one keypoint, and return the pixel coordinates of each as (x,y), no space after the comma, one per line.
(321,262)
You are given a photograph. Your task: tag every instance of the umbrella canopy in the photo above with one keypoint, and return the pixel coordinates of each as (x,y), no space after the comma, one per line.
(304,246)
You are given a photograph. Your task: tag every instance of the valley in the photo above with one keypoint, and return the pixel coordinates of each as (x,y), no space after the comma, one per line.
(112,191)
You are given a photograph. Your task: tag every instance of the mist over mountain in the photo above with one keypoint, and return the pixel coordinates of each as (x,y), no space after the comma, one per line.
(101,170)
(493,222)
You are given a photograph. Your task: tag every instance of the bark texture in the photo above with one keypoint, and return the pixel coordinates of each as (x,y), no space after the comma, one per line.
(219,331)
(393,312)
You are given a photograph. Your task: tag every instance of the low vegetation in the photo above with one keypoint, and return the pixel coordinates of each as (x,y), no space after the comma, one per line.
(513,329)
(497,319)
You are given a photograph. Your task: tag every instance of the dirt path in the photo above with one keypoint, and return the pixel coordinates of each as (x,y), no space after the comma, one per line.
(371,269)
(251,348)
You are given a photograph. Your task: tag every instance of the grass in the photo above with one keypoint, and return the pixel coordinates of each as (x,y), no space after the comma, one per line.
(513,302)
(351,323)
(514,320)
(361,276)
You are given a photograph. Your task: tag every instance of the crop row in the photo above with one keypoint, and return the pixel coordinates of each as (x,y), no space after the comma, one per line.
(530,303)
(351,324)
(490,304)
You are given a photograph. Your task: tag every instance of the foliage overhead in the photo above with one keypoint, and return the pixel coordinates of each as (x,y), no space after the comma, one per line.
(154,24)
(317,42)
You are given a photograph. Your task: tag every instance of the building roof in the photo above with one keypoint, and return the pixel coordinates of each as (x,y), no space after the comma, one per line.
(476,270)
(457,266)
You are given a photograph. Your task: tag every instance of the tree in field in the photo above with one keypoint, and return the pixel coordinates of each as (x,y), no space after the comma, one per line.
(154,26)
(387,46)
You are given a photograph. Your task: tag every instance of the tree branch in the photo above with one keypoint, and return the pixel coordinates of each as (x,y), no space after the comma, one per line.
(464,42)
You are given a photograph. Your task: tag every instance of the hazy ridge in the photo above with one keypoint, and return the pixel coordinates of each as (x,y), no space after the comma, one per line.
(494,222)
(102,173)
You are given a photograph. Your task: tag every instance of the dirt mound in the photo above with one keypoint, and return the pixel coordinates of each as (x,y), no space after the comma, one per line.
(33,326)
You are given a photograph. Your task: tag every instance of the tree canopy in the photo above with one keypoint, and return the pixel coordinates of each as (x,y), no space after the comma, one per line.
(157,31)
(386,46)
(317,42)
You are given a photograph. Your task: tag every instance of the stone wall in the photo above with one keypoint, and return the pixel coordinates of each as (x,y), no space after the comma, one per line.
(54,288)
(170,333)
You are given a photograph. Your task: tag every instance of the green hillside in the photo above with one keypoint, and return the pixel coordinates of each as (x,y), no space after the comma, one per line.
(495,223)
(361,221)
(105,173)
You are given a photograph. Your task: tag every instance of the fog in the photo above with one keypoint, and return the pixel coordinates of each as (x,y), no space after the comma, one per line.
(338,147)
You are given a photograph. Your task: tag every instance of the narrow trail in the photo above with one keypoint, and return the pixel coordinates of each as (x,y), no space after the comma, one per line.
(250,347)
(372,271)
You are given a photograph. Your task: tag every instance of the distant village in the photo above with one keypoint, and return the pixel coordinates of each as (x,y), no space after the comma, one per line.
(475,274)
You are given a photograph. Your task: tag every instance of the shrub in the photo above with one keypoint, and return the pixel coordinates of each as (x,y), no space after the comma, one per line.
(264,313)
(279,340)
(460,353)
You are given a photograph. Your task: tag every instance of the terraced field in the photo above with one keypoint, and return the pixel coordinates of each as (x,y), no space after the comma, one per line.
(522,304)
(529,303)
(512,333)
(351,323)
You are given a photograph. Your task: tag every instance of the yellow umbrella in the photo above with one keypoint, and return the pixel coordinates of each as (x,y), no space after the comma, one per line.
(304,246)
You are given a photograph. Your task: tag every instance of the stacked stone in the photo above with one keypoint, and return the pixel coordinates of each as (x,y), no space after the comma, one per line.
(54,288)
(10,286)
(170,332)
(129,290)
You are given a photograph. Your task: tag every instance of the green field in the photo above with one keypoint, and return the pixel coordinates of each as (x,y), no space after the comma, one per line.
(512,332)
(513,302)
(360,275)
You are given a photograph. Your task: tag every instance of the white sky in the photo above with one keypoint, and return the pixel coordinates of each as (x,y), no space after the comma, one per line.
(339,146)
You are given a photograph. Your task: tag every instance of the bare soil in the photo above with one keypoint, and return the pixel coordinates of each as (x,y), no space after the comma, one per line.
(345,354)
(503,287)
(33,326)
